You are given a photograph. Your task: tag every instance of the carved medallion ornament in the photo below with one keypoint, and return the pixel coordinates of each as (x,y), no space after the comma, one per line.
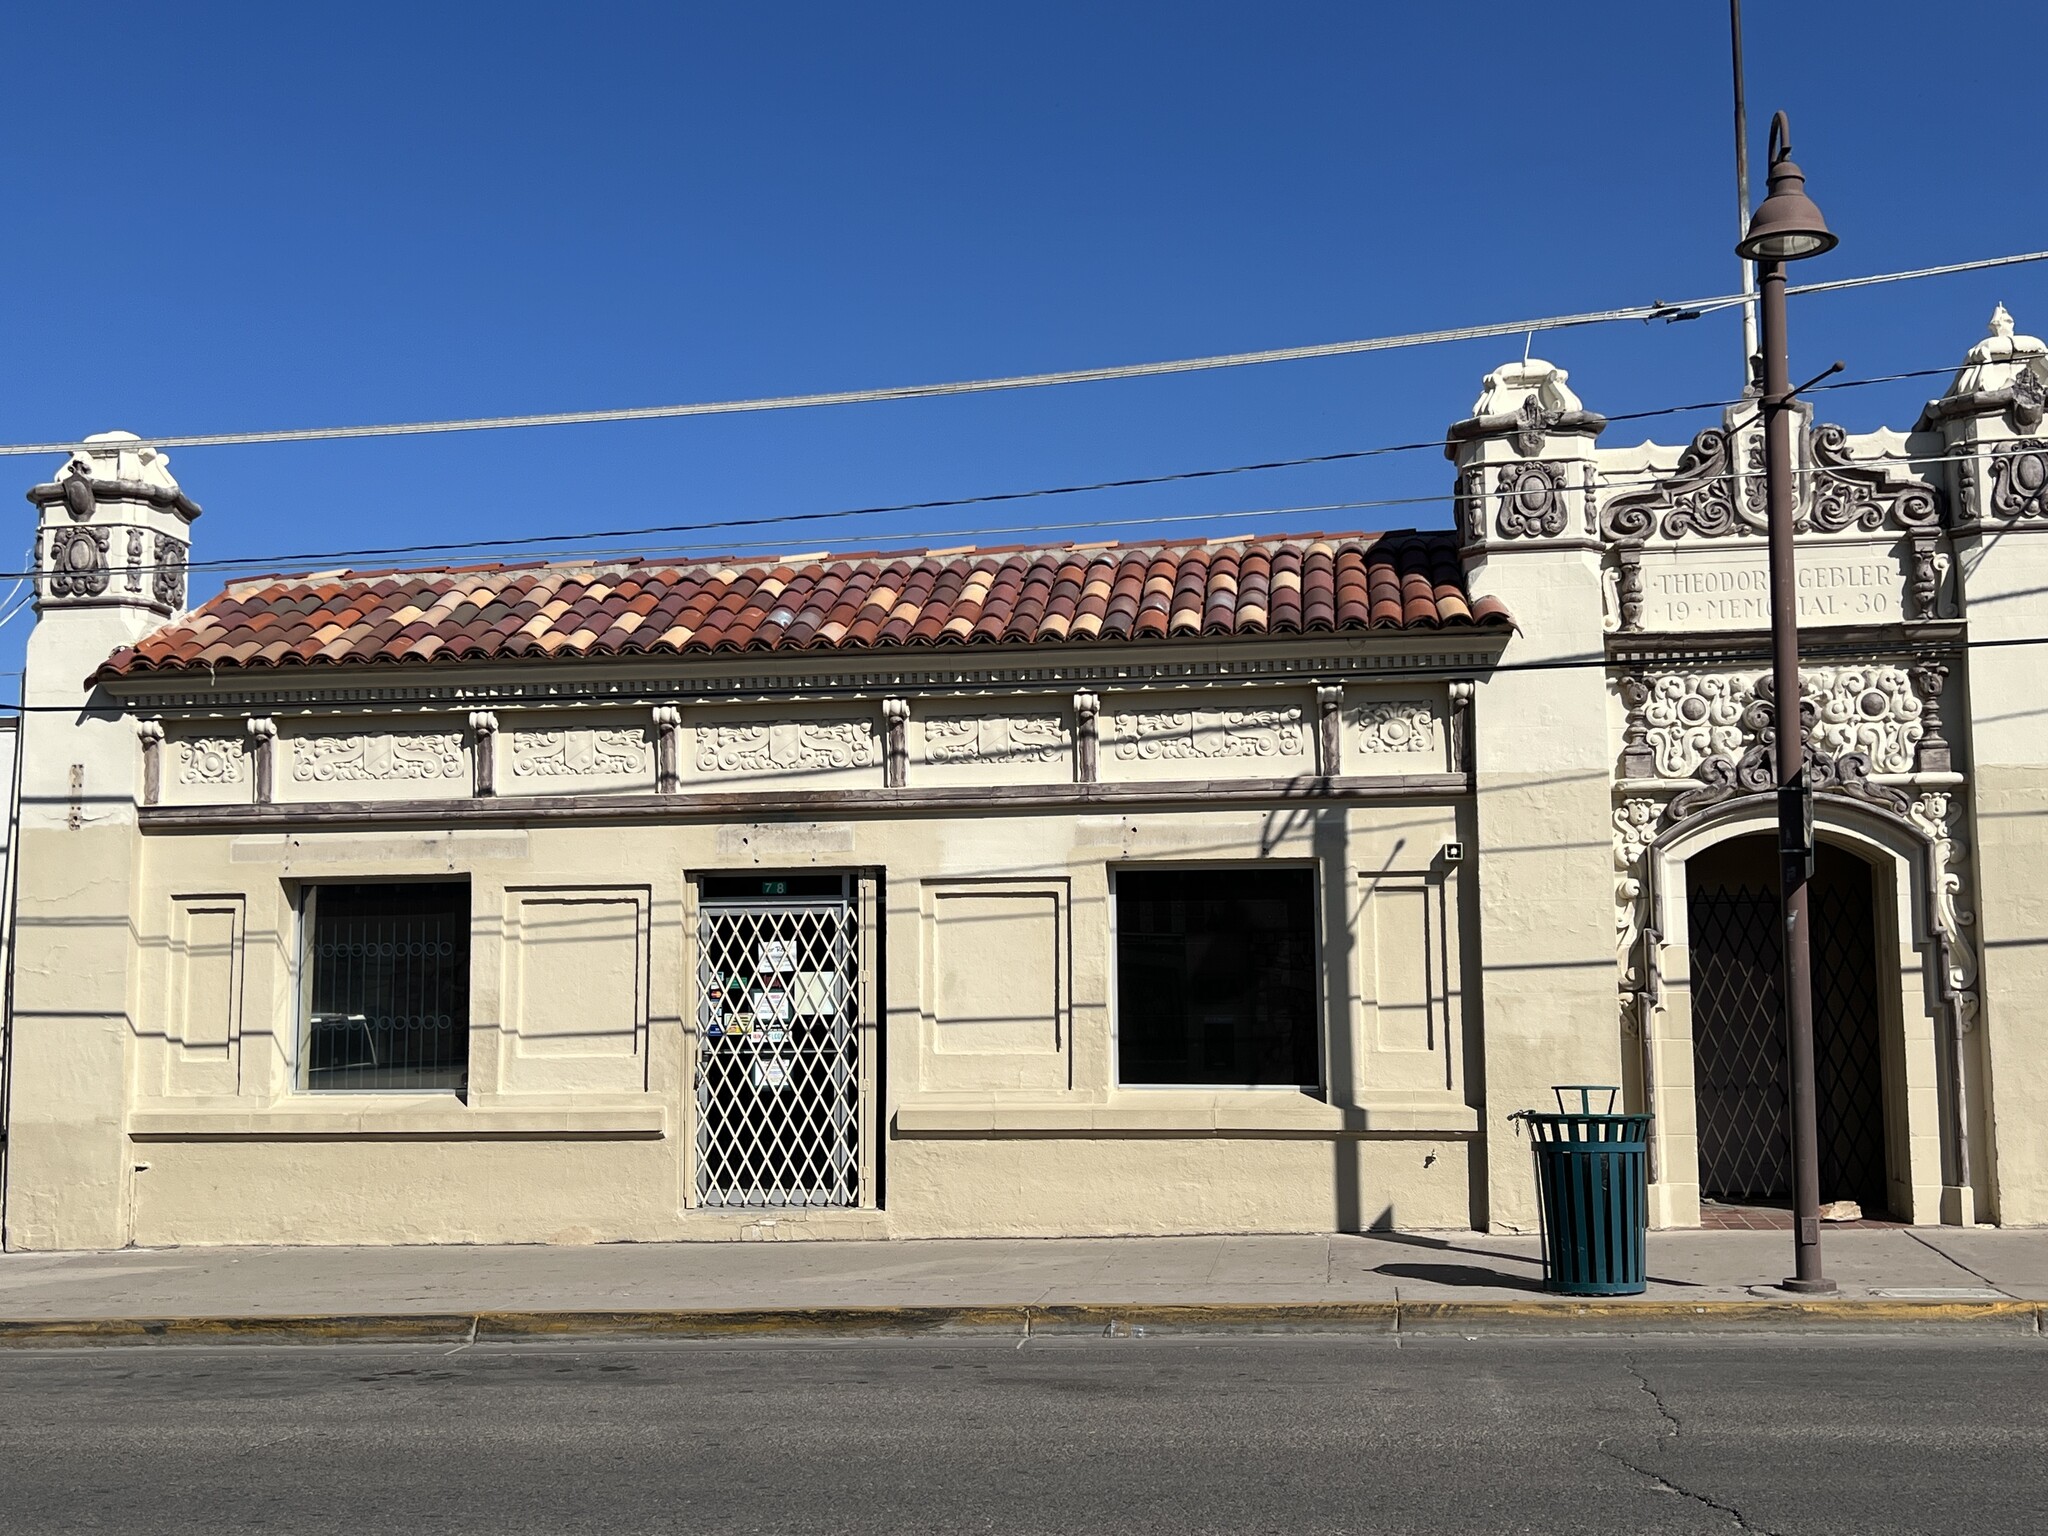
(2019,481)
(371,757)
(994,739)
(577,753)
(168,585)
(1700,498)
(212,760)
(1531,500)
(1194,733)
(78,562)
(809,746)
(1397,725)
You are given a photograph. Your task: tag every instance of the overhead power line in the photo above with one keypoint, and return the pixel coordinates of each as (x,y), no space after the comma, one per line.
(608,543)
(1686,310)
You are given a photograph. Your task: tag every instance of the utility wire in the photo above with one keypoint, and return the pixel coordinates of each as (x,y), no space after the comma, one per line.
(1687,310)
(570,544)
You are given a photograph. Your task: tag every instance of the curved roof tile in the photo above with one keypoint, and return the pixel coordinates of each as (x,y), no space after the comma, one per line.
(1063,594)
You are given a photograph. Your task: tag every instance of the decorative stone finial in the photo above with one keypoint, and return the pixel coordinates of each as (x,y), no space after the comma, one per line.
(1511,384)
(1998,361)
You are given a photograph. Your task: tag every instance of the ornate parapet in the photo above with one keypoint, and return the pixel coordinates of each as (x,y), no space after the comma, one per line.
(1525,461)
(113,529)
(1686,536)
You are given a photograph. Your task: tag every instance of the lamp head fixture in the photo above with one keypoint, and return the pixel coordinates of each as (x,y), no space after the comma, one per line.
(1787,226)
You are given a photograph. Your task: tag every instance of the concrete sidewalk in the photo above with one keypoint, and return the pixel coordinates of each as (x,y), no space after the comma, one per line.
(1888,1273)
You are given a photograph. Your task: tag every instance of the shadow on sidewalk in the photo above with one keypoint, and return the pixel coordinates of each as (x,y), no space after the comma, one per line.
(1459,1275)
(1473,1274)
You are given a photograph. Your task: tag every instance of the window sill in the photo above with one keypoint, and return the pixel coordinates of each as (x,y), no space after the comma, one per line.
(1156,1113)
(436,1118)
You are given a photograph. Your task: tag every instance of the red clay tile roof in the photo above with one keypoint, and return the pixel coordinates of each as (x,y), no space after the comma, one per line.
(1278,586)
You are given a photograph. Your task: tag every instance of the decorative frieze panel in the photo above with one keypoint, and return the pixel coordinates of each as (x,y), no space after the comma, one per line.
(1193,734)
(212,760)
(579,753)
(1397,727)
(994,739)
(806,746)
(370,757)
(1874,711)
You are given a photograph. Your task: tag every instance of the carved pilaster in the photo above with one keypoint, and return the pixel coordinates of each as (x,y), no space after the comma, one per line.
(1923,579)
(1638,758)
(1934,754)
(1461,693)
(151,734)
(668,749)
(483,732)
(1629,586)
(1329,730)
(1087,736)
(263,751)
(896,742)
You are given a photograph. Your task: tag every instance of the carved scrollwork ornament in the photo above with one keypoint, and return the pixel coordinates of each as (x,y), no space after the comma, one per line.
(1471,505)
(2019,481)
(79,500)
(1532,421)
(2029,400)
(1531,500)
(1939,816)
(1866,497)
(1697,497)
(168,584)
(1635,828)
(78,562)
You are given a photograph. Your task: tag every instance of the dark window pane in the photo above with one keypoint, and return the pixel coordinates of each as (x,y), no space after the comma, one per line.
(390,995)
(1216,976)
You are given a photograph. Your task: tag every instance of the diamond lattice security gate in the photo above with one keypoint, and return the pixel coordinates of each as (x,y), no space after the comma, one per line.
(778,1061)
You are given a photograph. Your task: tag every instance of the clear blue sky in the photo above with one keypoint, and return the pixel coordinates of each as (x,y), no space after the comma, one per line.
(238,217)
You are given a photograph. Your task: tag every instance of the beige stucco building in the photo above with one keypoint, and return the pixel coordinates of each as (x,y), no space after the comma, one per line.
(1241,886)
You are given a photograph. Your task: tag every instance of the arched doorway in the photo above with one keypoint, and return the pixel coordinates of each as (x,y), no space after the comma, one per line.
(1739,1073)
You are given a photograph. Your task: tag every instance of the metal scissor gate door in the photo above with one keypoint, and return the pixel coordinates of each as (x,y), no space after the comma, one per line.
(779,1083)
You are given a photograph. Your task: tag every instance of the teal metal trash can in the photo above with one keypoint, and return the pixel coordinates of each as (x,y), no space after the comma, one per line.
(1592,1176)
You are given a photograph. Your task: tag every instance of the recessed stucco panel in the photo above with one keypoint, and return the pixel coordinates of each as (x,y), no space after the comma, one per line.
(203,1001)
(995,987)
(574,990)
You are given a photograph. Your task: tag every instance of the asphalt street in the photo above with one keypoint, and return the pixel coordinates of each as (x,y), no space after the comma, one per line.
(1289,1434)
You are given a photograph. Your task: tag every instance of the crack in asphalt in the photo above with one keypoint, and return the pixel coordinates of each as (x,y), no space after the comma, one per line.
(1664,1484)
(1672,1426)
(1656,1397)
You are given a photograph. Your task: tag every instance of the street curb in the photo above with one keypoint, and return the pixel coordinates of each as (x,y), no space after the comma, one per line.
(1561,1316)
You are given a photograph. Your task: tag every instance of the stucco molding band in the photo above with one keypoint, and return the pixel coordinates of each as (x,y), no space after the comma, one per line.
(309,1118)
(534,809)
(1470,652)
(1257,1117)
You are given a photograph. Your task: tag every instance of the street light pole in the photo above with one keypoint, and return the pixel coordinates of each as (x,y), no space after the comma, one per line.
(1786,228)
